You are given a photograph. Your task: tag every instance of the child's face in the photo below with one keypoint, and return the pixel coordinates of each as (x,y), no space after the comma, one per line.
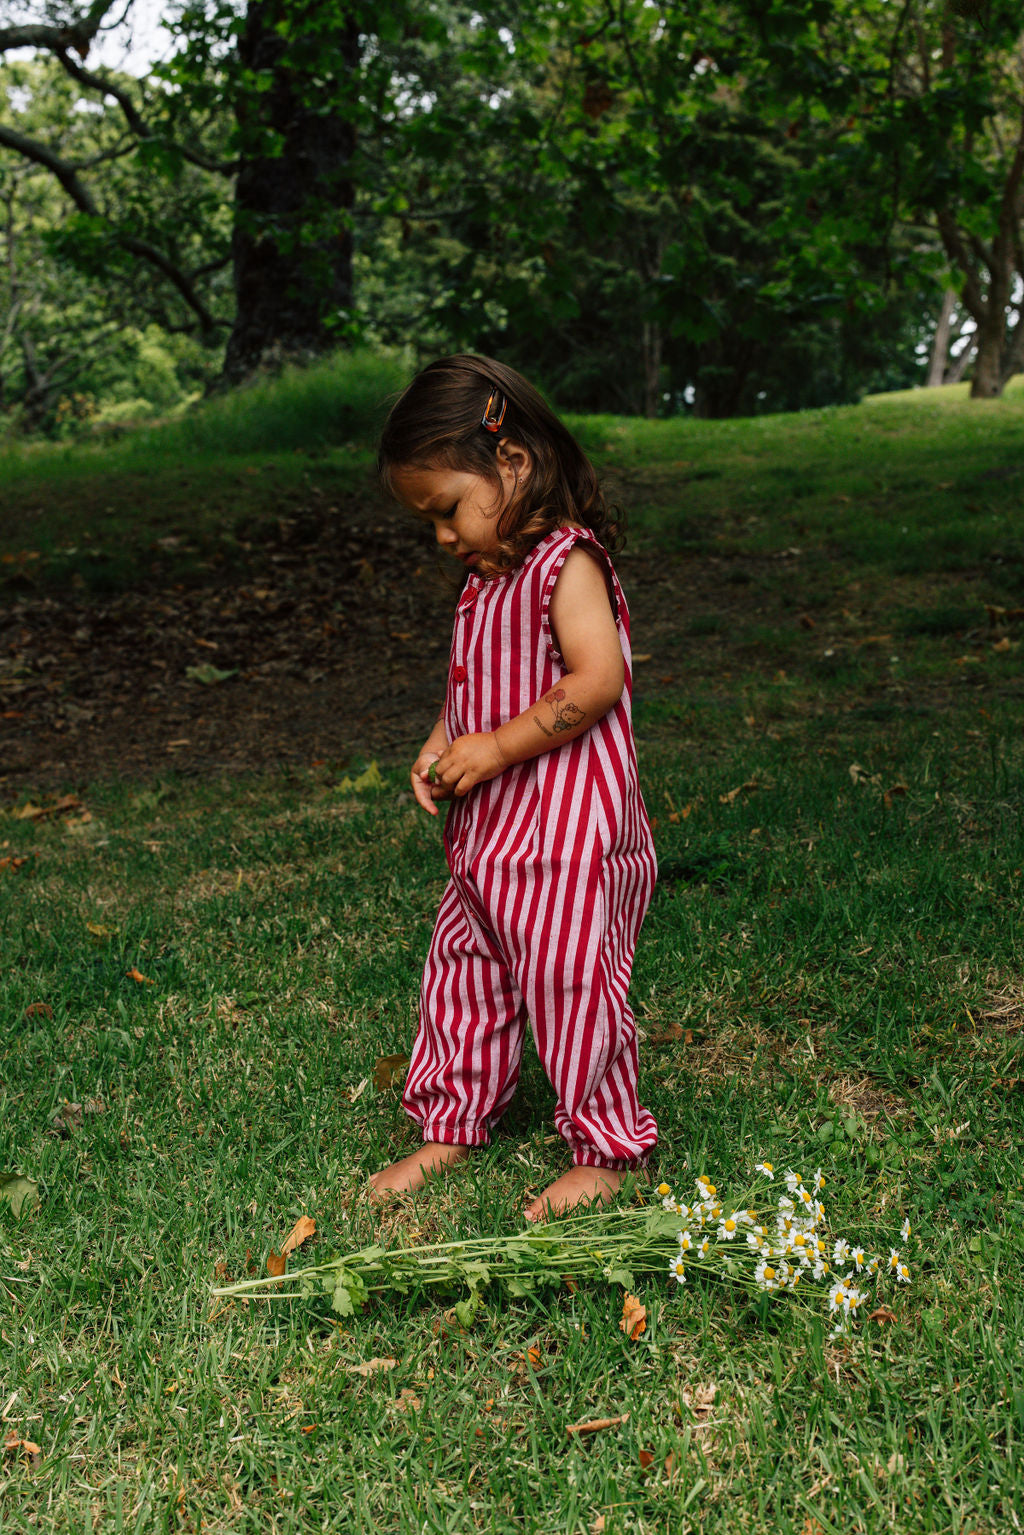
(462,507)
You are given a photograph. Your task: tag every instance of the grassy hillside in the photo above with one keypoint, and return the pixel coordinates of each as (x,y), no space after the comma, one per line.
(927,480)
(209,980)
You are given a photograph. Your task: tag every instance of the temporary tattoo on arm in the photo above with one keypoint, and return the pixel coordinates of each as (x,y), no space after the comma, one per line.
(567,715)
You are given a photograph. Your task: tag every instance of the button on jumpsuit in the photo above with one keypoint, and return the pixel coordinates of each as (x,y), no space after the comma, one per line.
(552,869)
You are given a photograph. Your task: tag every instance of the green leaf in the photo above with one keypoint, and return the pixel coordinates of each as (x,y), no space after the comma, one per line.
(19,1191)
(208,674)
(466,1310)
(341,1299)
(369,779)
(617,1273)
(350,1293)
(663,1223)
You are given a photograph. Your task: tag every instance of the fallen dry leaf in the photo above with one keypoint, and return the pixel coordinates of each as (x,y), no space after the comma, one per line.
(860,774)
(304,1228)
(371,1367)
(733,794)
(898,791)
(699,1399)
(594,1425)
(634,1317)
(882,1314)
(407,1401)
(136,975)
(1003,644)
(301,1232)
(9,862)
(388,1069)
(13,1445)
(30,812)
(39,1010)
(645,1457)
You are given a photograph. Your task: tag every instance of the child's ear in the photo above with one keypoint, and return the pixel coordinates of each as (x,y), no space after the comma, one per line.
(514,461)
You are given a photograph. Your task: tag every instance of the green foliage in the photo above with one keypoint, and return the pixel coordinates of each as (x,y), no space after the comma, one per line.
(652,208)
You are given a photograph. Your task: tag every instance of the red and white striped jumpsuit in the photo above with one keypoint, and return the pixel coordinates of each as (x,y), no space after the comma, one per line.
(552,869)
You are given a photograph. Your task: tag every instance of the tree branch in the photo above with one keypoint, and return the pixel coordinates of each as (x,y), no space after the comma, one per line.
(106,87)
(78,35)
(960,258)
(83,200)
(64,171)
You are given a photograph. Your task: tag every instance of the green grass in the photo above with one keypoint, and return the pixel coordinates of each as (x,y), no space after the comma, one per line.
(849,972)
(830,973)
(181,498)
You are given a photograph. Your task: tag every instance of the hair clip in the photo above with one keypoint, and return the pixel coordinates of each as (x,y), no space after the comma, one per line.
(494,413)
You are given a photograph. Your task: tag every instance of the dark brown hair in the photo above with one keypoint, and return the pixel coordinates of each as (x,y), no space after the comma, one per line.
(436,423)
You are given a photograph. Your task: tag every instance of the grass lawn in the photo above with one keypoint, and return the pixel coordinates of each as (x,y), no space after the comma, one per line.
(201,977)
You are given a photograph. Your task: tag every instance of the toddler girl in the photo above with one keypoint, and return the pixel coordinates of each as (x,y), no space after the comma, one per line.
(547,839)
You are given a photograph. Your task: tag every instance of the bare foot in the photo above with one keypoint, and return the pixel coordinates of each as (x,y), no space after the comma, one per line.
(574,1190)
(413,1171)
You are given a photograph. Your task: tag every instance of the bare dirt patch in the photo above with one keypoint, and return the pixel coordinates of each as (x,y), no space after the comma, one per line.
(329,646)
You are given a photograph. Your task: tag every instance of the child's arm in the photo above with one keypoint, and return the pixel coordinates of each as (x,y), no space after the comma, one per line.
(583,622)
(430,751)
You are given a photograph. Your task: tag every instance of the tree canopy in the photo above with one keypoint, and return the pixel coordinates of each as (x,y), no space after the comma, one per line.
(726,207)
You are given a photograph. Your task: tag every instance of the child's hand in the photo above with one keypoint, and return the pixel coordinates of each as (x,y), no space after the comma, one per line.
(423,783)
(469,760)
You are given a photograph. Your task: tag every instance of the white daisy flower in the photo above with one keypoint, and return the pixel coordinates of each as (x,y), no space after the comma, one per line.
(793,1180)
(905,1231)
(677,1270)
(685,1241)
(841,1253)
(818,1180)
(766,1276)
(663,1189)
(902,1273)
(820,1268)
(839,1297)
(859,1260)
(894,1259)
(786,1206)
(704,1248)
(727,1228)
(766,1168)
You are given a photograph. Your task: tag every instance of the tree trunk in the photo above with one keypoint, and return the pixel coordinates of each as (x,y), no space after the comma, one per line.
(291,242)
(651,348)
(940,344)
(986,380)
(958,367)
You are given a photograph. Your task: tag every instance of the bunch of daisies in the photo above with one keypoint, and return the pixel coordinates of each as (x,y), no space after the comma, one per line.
(788,1250)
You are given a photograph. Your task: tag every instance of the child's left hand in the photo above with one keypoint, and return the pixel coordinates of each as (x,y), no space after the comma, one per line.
(469,760)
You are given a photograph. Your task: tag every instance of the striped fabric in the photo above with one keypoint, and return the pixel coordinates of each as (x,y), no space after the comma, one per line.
(552,868)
